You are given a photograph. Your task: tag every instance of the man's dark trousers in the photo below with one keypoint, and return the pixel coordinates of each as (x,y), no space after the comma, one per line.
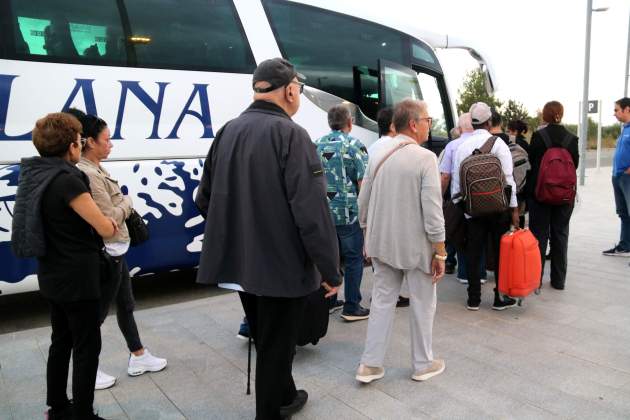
(482,231)
(551,224)
(273,324)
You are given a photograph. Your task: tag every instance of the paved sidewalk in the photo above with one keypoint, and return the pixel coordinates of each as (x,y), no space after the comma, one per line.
(562,355)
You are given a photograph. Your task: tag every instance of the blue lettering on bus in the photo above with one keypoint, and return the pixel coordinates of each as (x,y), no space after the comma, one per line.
(204,117)
(6,80)
(85,88)
(154,106)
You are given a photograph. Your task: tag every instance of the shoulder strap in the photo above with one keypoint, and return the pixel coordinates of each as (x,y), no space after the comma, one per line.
(488,145)
(545,137)
(391,152)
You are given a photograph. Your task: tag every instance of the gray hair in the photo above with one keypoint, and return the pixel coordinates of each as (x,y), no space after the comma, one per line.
(455,133)
(465,123)
(338,117)
(408,110)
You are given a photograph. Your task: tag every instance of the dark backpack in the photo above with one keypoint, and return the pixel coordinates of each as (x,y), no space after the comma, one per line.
(483,182)
(557,181)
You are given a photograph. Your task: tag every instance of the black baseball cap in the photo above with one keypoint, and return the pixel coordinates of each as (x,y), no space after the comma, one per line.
(276,71)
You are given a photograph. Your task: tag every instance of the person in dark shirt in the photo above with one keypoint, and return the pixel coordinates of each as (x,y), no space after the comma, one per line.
(551,222)
(496,120)
(516,132)
(69,269)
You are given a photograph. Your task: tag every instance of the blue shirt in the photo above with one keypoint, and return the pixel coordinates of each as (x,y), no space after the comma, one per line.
(621,161)
(344,159)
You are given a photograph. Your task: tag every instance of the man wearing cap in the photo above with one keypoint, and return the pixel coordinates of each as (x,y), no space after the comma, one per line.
(268,234)
(344,159)
(481,228)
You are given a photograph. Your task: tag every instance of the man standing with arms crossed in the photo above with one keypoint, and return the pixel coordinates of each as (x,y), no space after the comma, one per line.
(268,234)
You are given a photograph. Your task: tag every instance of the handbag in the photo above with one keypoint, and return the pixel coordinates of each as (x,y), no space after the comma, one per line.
(138,229)
(455,224)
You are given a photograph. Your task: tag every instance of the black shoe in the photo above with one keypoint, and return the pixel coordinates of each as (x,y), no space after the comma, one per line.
(557,286)
(243,330)
(507,302)
(617,251)
(60,414)
(472,305)
(337,305)
(358,315)
(403,302)
(286,411)
(449,268)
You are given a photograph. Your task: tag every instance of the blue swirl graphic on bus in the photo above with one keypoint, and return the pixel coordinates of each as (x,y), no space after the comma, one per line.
(162,193)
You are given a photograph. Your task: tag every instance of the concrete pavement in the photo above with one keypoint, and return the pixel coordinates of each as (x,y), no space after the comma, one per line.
(563,355)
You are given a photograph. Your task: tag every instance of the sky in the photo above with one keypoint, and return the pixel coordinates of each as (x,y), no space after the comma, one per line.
(536,46)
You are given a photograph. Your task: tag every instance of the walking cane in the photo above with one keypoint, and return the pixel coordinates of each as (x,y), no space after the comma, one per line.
(249,364)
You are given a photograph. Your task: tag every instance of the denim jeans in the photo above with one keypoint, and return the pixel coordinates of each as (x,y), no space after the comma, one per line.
(351,250)
(450,255)
(621,186)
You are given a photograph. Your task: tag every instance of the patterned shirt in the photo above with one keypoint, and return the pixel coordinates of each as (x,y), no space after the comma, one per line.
(344,159)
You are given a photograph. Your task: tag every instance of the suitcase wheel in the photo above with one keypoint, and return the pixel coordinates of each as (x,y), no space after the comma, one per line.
(537,291)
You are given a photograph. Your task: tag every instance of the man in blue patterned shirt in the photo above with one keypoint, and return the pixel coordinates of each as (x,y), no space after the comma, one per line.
(344,159)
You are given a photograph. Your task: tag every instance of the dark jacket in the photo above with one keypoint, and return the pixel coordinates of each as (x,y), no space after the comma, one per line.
(263,194)
(27,231)
(537,149)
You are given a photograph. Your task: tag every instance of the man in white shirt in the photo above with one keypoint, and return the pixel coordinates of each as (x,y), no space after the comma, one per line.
(386,131)
(480,228)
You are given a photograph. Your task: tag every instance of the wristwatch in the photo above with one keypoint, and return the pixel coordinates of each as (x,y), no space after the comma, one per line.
(440,257)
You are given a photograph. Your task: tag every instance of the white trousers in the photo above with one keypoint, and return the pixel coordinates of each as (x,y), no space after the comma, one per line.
(385,291)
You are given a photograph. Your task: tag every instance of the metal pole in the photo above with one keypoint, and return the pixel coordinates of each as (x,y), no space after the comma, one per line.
(587,57)
(625,90)
(599,133)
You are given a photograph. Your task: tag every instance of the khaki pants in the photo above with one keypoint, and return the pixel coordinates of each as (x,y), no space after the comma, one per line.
(422,296)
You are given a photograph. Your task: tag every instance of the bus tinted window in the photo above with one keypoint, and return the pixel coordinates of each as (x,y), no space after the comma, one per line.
(335,52)
(63,30)
(191,35)
(195,34)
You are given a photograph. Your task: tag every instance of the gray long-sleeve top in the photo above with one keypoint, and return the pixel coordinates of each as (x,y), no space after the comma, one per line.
(401,209)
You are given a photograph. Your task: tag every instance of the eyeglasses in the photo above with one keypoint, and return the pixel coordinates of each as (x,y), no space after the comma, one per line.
(300,84)
(429,120)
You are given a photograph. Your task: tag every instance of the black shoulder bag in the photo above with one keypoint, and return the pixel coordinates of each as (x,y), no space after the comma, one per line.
(138,230)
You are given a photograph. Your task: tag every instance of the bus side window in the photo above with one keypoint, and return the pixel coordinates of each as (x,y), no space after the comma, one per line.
(65,30)
(431,94)
(202,35)
(335,51)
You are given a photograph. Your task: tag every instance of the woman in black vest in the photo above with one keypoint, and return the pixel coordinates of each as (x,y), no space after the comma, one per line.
(548,222)
(57,221)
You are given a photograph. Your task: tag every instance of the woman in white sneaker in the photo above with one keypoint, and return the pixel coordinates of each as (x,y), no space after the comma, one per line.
(110,199)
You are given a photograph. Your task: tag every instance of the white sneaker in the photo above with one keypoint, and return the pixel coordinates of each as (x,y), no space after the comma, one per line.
(145,363)
(103,380)
(465,281)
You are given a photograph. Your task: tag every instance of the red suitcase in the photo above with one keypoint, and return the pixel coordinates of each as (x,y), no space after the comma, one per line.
(519,264)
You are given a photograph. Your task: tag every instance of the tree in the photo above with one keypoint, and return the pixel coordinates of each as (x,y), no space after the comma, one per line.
(513,110)
(474,90)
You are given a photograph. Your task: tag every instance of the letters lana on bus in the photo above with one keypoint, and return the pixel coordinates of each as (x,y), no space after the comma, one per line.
(84,87)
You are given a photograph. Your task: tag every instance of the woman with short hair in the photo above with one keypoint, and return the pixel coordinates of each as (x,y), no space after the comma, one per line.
(57,221)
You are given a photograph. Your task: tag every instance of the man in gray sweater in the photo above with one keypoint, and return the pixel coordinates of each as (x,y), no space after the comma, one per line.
(400,210)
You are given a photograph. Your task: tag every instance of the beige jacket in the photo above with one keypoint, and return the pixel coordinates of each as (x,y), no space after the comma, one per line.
(108,197)
(401,210)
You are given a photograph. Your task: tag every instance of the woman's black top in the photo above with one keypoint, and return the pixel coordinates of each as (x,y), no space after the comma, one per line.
(537,149)
(70,270)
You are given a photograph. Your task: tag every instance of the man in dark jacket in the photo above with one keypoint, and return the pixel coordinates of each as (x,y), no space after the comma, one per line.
(269,233)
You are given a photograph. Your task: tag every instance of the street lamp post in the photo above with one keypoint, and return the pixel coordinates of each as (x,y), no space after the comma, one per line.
(587,58)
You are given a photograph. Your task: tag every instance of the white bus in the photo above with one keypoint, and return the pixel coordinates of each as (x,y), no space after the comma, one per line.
(166,75)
